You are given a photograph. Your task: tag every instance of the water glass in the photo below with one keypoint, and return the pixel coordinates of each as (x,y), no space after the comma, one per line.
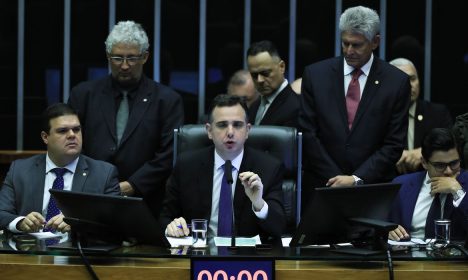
(199,230)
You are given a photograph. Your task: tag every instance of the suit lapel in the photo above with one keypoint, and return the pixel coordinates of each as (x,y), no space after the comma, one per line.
(370,89)
(411,196)
(80,176)
(277,103)
(106,99)
(418,124)
(337,89)
(239,195)
(37,177)
(205,183)
(139,107)
(253,110)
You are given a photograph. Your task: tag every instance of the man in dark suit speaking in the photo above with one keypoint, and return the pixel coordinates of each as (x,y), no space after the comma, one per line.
(129,119)
(25,201)
(355,110)
(197,189)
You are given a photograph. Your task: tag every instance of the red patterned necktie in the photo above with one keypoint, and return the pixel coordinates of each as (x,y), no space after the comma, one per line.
(353,96)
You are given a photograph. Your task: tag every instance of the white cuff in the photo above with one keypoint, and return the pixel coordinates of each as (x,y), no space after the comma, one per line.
(263,213)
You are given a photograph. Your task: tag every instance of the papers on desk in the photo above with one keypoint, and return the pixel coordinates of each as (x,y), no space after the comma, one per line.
(240,241)
(412,242)
(219,241)
(180,241)
(45,235)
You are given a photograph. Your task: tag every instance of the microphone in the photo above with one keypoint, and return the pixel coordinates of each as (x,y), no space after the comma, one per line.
(228,173)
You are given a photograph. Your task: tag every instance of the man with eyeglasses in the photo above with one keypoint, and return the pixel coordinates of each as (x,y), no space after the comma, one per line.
(438,192)
(278,103)
(128,119)
(25,202)
(196,190)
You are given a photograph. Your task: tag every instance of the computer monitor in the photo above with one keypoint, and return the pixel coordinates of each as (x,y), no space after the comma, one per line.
(126,217)
(328,217)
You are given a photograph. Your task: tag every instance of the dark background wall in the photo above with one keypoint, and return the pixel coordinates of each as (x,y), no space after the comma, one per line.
(270,20)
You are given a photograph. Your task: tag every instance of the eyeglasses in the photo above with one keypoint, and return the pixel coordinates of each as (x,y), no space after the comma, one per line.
(441,166)
(131,60)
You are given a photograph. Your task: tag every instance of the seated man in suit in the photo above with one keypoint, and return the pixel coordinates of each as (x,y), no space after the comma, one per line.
(25,201)
(279,104)
(438,192)
(423,116)
(195,191)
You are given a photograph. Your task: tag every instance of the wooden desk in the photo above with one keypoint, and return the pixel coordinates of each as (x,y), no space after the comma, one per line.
(7,156)
(13,266)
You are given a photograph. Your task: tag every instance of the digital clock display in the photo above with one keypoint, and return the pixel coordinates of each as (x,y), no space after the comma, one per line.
(232,269)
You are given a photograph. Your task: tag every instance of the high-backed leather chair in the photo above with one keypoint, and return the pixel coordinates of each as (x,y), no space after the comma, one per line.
(281,142)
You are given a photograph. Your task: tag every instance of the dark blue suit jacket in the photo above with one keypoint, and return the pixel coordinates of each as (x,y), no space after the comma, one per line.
(372,147)
(403,207)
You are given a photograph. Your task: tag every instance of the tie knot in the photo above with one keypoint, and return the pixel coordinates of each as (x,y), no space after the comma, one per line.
(265,100)
(356,73)
(59,171)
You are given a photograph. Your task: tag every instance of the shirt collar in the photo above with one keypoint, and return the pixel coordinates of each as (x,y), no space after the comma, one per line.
(71,167)
(365,68)
(272,97)
(236,162)
(412,110)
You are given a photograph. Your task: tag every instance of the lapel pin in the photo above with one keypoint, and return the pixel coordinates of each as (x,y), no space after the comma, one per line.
(376,82)
(420,117)
(144,100)
(84,173)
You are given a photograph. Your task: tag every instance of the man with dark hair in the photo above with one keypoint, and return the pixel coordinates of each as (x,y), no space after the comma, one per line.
(196,190)
(279,104)
(25,201)
(129,119)
(438,192)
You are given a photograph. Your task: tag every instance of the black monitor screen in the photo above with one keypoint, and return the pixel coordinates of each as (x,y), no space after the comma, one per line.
(326,219)
(126,216)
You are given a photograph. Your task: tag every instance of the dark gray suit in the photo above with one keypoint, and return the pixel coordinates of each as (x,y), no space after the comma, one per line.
(23,189)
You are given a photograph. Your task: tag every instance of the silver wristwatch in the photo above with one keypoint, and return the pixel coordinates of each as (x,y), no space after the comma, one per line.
(459,193)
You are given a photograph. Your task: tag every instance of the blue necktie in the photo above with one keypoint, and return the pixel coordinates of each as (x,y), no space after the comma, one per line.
(52,209)
(433,214)
(225,208)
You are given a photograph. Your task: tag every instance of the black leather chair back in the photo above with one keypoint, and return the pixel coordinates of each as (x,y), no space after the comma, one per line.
(278,141)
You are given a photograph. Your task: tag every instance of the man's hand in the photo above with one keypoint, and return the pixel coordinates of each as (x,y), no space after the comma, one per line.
(126,189)
(33,222)
(410,161)
(398,234)
(444,184)
(341,181)
(177,228)
(253,189)
(56,223)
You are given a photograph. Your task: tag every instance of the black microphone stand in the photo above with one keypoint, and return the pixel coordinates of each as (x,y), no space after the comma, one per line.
(228,171)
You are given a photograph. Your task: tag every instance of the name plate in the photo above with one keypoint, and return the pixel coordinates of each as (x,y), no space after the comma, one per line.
(232,269)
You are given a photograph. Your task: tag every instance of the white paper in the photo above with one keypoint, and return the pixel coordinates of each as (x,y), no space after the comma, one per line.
(180,241)
(412,242)
(45,235)
(240,241)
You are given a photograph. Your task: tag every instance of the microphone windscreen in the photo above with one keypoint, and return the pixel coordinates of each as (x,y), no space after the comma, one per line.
(228,171)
